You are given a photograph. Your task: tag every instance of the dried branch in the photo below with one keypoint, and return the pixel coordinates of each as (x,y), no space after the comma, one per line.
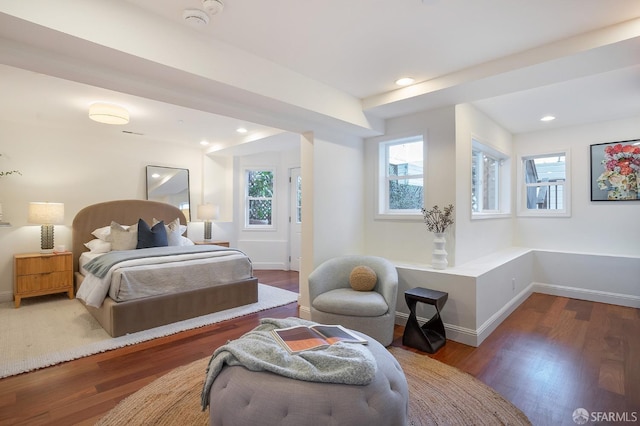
(438,220)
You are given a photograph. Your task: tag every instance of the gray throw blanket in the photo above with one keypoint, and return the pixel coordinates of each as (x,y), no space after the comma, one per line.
(257,350)
(100,265)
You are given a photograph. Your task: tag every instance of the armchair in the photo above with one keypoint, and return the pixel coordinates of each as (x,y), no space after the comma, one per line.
(333,301)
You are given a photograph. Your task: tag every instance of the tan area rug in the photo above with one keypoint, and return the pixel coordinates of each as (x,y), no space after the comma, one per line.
(438,395)
(52,329)
(443,395)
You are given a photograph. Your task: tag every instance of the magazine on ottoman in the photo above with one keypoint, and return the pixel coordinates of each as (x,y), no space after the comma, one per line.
(303,338)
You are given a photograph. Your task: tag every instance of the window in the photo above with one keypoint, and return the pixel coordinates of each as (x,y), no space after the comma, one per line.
(489,181)
(401,183)
(298,206)
(259,198)
(544,190)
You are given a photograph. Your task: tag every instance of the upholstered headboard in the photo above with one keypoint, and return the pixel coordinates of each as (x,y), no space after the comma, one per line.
(125,212)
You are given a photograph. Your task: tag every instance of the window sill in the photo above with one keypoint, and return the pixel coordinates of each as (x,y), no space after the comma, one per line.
(399,216)
(481,216)
(544,214)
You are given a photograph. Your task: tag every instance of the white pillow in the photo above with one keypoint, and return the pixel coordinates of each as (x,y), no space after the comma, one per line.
(98,246)
(123,237)
(102,233)
(184,241)
(174,231)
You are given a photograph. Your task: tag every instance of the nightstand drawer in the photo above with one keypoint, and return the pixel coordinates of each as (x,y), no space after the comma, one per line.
(42,282)
(38,265)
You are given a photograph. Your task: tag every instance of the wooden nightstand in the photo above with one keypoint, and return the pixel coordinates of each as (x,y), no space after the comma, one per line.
(36,274)
(212,243)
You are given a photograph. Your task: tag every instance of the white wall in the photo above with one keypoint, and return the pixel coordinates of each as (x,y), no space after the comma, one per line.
(335,186)
(338,198)
(599,227)
(410,241)
(478,237)
(600,278)
(77,167)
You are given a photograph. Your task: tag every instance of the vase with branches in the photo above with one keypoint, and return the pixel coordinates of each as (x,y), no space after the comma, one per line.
(438,221)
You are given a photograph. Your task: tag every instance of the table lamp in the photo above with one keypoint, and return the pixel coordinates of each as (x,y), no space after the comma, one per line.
(46,215)
(208,212)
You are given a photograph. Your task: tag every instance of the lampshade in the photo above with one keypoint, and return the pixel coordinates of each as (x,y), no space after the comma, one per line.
(108,113)
(46,213)
(208,211)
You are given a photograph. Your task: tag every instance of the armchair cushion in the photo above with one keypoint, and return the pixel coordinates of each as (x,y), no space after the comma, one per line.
(346,301)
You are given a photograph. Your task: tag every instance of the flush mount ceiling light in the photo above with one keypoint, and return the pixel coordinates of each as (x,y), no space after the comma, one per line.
(241,130)
(548,118)
(213,6)
(195,17)
(404,81)
(108,113)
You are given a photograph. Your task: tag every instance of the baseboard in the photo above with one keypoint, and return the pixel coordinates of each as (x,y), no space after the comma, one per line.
(6,296)
(496,319)
(628,300)
(270,266)
(457,334)
(304,312)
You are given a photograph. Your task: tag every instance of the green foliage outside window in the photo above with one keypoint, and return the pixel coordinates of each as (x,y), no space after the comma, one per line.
(260,196)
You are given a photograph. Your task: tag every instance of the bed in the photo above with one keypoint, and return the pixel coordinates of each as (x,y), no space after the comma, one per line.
(122,317)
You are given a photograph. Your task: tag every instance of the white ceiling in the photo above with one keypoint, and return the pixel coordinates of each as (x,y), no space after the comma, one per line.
(515,60)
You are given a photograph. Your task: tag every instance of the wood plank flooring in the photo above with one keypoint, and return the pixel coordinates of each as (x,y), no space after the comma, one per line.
(551,356)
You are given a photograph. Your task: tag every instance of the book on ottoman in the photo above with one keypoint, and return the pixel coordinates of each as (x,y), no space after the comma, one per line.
(303,338)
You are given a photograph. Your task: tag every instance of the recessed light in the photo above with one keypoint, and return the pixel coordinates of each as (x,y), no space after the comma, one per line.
(548,118)
(241,130)
(204,143)
(405,81)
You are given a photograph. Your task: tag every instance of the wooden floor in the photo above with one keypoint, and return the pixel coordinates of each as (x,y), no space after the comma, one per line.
(550,357)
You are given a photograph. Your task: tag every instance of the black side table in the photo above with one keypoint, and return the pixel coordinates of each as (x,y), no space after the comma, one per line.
(431,336)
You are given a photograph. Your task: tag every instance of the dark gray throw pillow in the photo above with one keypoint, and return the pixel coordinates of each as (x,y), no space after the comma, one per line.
(155,236)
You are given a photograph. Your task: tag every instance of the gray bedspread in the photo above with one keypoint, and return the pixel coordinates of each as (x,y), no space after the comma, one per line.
(101,264)
(257,350)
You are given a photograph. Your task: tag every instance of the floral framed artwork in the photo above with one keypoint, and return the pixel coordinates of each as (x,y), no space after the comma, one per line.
(615,171)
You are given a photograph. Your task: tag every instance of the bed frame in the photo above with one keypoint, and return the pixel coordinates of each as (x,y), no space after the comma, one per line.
(120,318)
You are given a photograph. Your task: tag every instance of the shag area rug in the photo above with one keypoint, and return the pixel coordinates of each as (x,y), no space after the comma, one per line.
(438,395)
(49,330)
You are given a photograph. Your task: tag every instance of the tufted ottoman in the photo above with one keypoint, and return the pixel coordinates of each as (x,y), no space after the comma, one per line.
(243,397)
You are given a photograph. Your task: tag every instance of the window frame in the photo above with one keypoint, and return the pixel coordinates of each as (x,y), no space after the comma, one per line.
(522,210)
(503,191)
(247,199)
(383,179)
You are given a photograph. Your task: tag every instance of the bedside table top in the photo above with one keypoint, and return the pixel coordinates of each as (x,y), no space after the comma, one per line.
(26,255)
